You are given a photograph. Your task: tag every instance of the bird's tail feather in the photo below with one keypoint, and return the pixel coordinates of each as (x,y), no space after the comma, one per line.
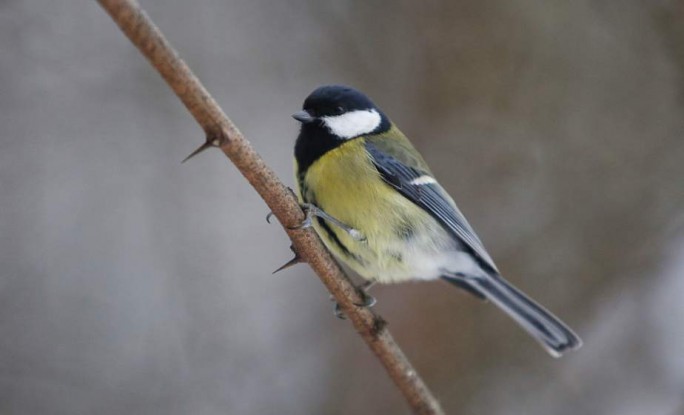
(554,335)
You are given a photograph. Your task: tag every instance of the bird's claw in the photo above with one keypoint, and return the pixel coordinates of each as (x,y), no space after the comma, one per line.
(337,311)
(309,212)
(306,223)
(368,301)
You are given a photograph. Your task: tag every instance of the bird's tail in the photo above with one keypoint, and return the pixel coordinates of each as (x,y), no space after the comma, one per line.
(554,335)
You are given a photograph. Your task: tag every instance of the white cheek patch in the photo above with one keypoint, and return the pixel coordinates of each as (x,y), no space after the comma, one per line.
(353,123)
(423,180)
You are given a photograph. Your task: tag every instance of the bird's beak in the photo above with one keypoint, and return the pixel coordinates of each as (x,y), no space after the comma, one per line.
(303,117)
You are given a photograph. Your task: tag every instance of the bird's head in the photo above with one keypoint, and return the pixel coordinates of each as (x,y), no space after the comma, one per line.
(343,111)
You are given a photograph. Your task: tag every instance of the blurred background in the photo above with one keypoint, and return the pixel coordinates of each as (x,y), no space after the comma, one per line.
(133,284)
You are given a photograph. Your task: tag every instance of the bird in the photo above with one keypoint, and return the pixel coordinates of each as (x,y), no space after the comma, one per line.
(377,206)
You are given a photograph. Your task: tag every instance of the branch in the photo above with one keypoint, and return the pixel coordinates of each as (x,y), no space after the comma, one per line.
(222,133)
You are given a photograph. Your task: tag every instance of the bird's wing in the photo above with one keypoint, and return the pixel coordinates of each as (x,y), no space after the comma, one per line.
(413,180)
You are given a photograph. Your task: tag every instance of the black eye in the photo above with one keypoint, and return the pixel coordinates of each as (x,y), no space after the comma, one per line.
(339,110)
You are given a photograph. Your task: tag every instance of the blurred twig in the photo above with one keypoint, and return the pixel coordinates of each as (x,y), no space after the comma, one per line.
(222,133)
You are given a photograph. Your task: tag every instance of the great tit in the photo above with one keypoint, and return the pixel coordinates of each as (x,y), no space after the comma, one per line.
(379,209)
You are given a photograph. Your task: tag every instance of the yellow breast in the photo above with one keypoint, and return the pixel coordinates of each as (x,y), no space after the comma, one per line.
(346,185)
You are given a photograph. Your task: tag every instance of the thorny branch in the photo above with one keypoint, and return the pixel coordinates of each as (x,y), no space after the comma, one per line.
(222,133)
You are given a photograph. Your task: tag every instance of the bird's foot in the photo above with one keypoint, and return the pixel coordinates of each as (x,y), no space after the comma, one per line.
(312,211)
(368,300)
(271,214)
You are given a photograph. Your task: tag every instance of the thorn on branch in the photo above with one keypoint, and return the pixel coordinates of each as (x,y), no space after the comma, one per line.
(214,138)
(379,325)
(294,261)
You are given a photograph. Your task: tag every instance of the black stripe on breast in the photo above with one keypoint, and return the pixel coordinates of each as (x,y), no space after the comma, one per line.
(333,237)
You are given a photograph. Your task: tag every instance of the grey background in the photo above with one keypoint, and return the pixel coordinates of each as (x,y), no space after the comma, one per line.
(133,284)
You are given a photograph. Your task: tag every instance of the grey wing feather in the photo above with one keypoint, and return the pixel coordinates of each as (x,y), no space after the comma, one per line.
(430,197)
